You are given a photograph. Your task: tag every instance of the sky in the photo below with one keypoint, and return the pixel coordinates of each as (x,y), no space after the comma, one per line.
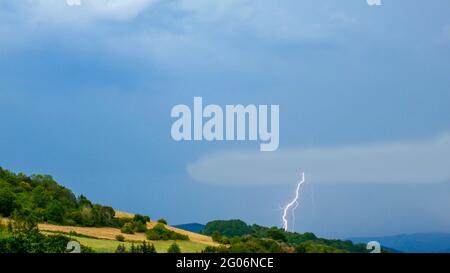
(86,94)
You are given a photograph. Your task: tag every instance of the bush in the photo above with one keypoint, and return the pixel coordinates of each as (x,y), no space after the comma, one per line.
(143,248)
(7,202)
(24,237)
(162,221)
(141,219)
(174,248)
(121,249)
(127,228)
(55,212)
(140,227)
(277,234)
(161,233)
(120,238)
(228,228)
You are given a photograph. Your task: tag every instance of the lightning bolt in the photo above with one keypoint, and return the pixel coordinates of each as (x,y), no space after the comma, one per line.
(293,204)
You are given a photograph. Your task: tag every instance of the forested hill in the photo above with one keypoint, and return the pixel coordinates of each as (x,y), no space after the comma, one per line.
(41,198)
(243,238)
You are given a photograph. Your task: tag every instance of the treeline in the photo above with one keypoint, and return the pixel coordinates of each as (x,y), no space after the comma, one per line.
(146,248)
(160,233)
(138,224)
(238,237)
(39,198)
(42,198)
(23,236)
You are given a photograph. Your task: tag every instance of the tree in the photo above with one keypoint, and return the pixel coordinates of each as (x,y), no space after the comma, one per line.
(55,212)
(228,228)
(127,228)
(120,238)
(277,234)
(216,237)
(141,218)
(143,248)
(300,248)
(174,248)
(160,232)
(162,221)
(140,227)
(148,248)
(121,248)
(7,202)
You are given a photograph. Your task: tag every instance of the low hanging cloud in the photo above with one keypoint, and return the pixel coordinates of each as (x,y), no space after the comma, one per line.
(403,162)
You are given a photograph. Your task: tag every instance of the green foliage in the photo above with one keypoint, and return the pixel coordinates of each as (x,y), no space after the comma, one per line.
(174,248)
(8,201)
(227,228)
(162,221)
(140,227)
(54,212)
(316,247)
(23,236)
(42,197)
(217,237)
(120,238)
(121,249)
(241,238)
(160,232)
(143,248)
(141,219)
(248,244)
(128,228)
(251,244)
(276,234)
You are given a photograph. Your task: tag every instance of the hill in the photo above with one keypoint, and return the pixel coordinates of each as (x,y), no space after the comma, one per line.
(243,238)
(413,243)
(193,227)
(41,200)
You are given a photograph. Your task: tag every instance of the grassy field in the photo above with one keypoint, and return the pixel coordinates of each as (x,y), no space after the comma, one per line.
(109,246)
(103,240)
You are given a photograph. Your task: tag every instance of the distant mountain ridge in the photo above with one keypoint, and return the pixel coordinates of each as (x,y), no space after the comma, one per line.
(433,242)
(192,227)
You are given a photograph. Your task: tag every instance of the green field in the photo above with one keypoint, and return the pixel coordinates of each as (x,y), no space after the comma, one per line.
(109,246)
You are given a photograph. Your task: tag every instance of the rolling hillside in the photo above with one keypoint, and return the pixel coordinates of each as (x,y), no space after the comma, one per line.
(40,200)
(104,238)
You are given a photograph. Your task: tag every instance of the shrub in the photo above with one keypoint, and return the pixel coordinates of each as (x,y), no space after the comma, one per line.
(143,248)
(24,237)
(162,221)
(141,219)
(174,248)
(228,228)
(121,249)
(120,238)
(127,228)
(140,227)
(161,233)
(44,198)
